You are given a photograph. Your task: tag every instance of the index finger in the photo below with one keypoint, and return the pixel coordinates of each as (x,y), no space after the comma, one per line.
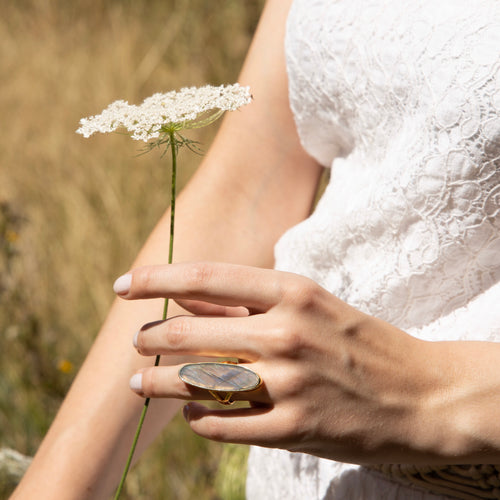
(217,283)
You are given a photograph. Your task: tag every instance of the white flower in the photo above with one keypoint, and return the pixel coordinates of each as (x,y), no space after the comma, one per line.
(190,107)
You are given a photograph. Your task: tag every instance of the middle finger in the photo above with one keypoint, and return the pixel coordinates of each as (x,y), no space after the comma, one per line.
(240,337)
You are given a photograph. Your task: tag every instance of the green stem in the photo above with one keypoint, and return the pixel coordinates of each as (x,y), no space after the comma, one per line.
(173,149)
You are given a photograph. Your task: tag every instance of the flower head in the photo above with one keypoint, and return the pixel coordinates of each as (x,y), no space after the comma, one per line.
(65,366)
(190,107)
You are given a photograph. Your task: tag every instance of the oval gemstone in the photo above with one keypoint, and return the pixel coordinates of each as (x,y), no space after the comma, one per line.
(219,377)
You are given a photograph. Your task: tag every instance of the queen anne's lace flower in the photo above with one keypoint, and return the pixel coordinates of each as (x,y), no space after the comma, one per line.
(190,107)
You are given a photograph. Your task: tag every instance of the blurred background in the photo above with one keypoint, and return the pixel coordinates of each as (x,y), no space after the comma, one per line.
(74,211)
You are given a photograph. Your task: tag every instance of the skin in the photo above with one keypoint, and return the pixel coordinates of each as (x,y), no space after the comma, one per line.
(337,383)
(255,182)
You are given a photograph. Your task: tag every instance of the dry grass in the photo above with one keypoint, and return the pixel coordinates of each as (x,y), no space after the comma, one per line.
(74,212)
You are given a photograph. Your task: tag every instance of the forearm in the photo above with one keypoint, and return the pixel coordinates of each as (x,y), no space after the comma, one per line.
(255,182)
(85,450)
(86,447)
(100,413)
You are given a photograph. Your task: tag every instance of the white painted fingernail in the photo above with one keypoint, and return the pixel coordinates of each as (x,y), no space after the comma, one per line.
(135,339)
(136,382)
(122,284)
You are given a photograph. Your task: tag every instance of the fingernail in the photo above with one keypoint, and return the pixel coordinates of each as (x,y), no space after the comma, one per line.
(136,382)
(134,341)
(122,284)
(185,411)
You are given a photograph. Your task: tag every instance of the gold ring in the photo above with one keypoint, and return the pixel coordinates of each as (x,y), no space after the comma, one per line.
(224,398)
(220,379)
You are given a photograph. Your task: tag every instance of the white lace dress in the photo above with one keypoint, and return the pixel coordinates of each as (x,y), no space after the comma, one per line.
(402,100)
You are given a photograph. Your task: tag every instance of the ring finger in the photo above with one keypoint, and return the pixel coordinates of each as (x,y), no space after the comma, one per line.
(164,382)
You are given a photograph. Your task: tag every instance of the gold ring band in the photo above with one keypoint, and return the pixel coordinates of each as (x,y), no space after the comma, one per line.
(223,398)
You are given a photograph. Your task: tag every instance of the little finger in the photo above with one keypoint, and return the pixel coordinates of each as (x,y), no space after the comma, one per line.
(269,426)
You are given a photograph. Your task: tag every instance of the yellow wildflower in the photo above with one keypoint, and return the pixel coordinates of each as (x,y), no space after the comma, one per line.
(65,366)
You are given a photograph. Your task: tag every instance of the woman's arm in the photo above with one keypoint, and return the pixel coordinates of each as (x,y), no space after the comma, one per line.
(255,182)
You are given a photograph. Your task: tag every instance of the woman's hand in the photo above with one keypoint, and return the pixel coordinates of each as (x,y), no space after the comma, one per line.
(337,383)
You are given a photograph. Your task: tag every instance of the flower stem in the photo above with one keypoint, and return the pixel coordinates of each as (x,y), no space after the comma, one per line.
(173,149)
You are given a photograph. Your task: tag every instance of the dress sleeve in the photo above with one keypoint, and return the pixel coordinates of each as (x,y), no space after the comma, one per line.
(314,95)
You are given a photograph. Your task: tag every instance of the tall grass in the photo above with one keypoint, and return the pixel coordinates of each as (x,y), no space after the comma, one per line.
(74,212)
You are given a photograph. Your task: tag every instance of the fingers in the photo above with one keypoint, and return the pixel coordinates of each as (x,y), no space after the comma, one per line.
(261,426)
(217,283)
(239,337)
(164,382)
(206,309)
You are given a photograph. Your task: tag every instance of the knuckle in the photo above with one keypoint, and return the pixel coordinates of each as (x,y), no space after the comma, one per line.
(177,329)
(288,341)
(295,341)
(142,279)
(295,383)
(301,292)
(308,295)
(198,276)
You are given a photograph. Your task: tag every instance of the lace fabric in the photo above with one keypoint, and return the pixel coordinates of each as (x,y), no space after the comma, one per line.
(402,101)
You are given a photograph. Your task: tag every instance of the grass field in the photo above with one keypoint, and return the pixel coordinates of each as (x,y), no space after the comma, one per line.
(74,212)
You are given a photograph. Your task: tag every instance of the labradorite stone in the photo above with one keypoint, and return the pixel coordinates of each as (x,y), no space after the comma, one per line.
(219,377)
